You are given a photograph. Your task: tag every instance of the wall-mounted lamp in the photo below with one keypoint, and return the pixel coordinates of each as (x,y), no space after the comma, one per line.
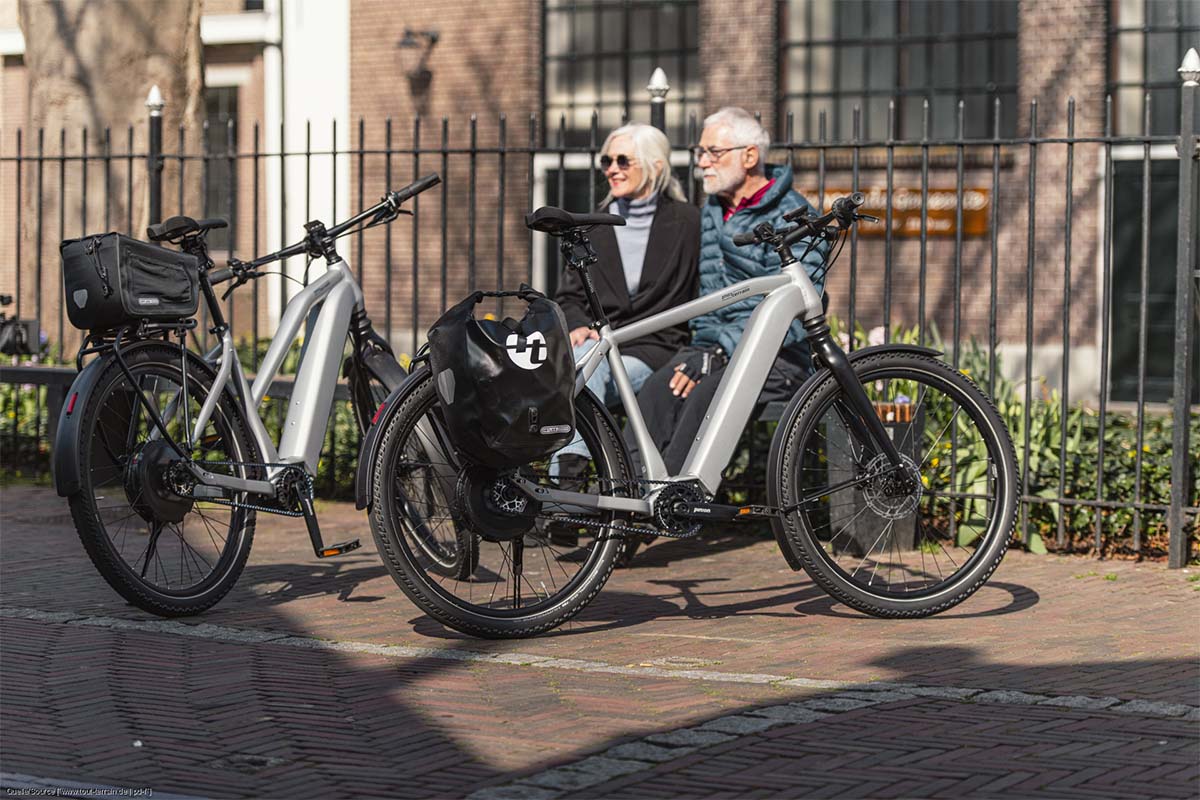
(419,75)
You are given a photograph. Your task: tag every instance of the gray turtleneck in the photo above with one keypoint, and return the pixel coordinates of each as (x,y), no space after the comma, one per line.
(633,236)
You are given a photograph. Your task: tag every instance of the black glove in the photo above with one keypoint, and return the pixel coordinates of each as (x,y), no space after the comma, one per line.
(700,363)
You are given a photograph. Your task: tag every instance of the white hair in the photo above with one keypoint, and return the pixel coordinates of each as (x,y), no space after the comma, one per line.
(652,150)
(743,130)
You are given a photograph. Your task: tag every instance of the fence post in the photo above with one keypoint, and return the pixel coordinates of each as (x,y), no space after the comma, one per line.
(658,88)
(154,161)
(1189,71)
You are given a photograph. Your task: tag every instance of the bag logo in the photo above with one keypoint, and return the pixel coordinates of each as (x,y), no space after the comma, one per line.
(148,301)
(80,297)
(528,354)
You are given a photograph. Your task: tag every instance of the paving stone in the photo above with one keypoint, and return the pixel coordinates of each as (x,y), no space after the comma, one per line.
(1008,697)
(882,696)
(689,737)
(645,751)
(1151,708)
(1080,701)
(790,713)
(950,692)
(835,703)
(740,725)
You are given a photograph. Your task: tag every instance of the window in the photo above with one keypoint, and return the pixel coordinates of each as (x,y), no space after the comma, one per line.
(220,172)
(836,54)
(1147,40)
(599,55)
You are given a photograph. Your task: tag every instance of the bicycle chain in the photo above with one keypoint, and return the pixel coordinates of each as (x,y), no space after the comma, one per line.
(588,522)
(306,485)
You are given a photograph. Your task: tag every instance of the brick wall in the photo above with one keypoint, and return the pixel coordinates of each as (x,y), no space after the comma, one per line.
(481,68)
(737,56)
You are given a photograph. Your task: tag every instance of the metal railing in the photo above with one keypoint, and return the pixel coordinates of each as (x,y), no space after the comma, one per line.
(1008,252)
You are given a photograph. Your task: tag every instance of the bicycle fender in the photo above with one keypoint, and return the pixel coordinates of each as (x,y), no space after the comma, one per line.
(788,417)
(370,444)
(64,459)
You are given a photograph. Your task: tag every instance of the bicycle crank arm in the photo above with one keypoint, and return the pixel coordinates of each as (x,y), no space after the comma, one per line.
(314,533)
(580,500)
(723,513)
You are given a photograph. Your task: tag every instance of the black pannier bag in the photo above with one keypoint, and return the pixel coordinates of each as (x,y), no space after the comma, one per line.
(507,388)
(112,280)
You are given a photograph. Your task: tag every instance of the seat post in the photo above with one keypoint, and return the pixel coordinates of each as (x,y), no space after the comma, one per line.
(579,255)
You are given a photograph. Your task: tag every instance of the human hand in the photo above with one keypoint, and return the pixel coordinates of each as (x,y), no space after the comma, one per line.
(695,367)
(581,335)
(681,385)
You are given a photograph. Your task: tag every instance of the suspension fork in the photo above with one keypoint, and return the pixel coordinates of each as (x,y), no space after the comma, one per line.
(860,417)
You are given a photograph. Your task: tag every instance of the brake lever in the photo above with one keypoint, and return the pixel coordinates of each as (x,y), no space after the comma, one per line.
(867,217)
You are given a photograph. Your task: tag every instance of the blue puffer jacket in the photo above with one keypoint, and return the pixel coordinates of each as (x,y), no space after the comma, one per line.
(723,264)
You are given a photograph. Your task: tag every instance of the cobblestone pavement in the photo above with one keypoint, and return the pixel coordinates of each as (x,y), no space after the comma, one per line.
(708,669)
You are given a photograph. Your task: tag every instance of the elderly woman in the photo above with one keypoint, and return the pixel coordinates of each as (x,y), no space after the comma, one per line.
(645,266)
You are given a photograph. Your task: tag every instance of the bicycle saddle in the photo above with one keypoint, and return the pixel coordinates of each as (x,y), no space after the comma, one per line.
(175,227)
(549,219)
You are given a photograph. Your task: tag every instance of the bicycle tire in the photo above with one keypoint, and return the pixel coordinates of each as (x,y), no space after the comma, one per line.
(101,455)
(463,613)
(828,563)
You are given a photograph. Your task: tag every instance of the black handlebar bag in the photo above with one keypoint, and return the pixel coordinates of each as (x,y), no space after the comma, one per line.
(507,388)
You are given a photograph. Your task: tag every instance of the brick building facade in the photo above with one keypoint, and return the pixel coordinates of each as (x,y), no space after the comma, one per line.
(467,98)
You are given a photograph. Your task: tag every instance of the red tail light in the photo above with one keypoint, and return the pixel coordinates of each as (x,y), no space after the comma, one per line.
(71,403)
(374,419)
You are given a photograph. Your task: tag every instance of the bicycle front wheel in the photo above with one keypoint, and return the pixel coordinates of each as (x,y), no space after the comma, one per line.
(898,541)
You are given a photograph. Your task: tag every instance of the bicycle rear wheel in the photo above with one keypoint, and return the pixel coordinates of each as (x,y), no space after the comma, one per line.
(160,550)
(907,541)
(532,569)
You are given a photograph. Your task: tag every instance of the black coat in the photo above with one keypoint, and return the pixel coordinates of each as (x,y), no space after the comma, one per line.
(670,276)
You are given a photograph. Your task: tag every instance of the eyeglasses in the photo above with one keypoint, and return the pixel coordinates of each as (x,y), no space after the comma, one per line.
(622,161)
(714,153)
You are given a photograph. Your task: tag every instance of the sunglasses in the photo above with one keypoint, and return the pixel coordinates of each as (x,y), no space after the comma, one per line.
(622,161)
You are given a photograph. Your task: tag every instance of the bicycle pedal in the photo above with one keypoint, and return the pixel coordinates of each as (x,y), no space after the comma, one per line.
(340,549)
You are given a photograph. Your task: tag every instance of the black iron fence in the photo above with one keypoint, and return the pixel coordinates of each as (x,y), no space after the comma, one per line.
(1057,267)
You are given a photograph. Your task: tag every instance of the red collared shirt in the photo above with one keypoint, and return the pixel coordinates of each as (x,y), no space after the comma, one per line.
(747,202)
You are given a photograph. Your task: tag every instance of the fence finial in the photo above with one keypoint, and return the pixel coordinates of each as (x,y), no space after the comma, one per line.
(1189,70)
(155,102)
(658,86)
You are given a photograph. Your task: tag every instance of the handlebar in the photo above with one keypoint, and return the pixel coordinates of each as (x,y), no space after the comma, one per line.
(844,210)
(388,206)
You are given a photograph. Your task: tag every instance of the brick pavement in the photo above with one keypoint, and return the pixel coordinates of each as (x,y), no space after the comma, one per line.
(1064,676)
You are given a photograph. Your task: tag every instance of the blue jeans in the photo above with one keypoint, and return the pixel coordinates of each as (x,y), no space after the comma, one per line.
(605,388)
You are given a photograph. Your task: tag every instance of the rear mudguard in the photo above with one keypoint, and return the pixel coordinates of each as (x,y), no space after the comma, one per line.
(64,460)
(788,418)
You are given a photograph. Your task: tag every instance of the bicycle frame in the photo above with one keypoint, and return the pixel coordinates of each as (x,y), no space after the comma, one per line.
(334,297)
(790,295)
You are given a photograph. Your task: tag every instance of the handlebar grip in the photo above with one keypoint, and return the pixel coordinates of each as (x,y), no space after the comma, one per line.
(844,207)
(743,239)
(219,276)
(416,187)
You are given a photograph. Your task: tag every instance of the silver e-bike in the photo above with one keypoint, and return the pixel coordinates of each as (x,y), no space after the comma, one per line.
(891,478)
(162,453)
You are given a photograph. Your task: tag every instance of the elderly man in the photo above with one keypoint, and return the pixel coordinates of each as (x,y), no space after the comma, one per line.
(743,191)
